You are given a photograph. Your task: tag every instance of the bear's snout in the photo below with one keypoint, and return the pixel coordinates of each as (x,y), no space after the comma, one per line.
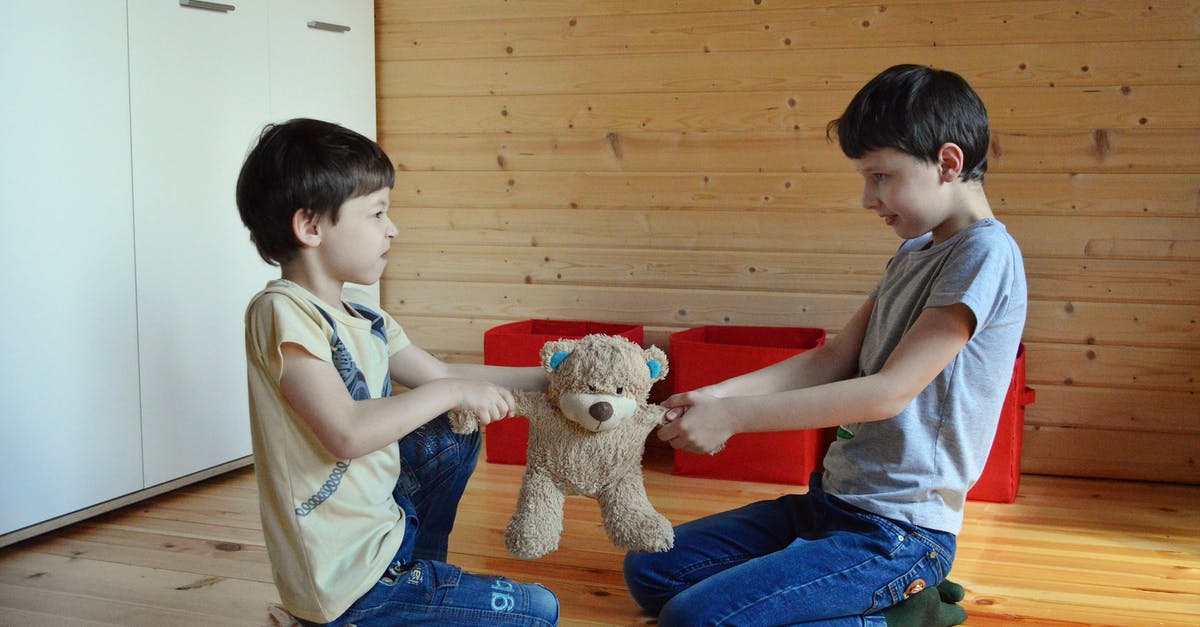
(601,411)
(596,412)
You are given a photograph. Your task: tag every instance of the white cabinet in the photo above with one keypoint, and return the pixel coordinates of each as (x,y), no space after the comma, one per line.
(125,265)
(323,66)
(319,70)
(69,428)
(200,92)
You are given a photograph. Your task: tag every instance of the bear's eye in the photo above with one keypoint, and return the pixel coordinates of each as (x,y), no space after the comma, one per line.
(591,388)
(620,390)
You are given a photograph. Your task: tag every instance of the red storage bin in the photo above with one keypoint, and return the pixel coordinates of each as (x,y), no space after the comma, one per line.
(520,344)
(1002,473)
(706,355)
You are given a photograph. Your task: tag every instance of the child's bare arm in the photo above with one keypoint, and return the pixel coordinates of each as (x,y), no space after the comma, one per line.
(925,351)
(413,367)
(348,428)
(531,378)
(835,360)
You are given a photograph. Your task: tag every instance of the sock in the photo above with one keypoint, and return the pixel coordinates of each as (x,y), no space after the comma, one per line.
(951,592)
(925,609)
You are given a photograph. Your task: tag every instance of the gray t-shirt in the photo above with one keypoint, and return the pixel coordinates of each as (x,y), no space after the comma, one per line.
(918,465)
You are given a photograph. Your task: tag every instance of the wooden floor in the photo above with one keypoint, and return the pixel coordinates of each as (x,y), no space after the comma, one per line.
(1068,552)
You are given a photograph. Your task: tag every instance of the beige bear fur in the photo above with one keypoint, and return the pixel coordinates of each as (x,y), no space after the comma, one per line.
(587,435)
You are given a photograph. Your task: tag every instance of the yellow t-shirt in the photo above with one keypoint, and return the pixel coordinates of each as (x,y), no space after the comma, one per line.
(331,525)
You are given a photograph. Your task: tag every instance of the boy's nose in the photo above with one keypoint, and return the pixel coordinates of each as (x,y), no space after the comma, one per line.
(869,200)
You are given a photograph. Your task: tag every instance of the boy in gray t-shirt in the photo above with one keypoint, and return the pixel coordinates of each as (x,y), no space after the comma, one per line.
(915,381)
(918,465)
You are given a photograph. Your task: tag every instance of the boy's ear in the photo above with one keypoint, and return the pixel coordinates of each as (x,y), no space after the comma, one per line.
(950,162)
(306,227)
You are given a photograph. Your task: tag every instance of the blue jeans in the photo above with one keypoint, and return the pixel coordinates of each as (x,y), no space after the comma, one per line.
(801,559)
(419,587)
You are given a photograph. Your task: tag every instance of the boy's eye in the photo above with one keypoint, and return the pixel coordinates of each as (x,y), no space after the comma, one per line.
(879,176)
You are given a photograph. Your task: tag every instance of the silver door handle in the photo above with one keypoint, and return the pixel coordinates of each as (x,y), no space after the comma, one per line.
(333,28)
(207,6)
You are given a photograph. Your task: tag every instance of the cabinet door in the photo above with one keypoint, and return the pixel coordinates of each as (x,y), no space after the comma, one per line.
(319,70)
(323,67)
(199,96)
(70,433)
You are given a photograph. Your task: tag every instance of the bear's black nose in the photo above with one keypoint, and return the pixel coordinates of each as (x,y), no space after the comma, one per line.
(601,411)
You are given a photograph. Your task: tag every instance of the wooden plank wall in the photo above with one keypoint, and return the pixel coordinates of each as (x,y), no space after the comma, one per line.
(664,163)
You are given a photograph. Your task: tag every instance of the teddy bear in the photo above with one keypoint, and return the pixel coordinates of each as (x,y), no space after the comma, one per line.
(587,435)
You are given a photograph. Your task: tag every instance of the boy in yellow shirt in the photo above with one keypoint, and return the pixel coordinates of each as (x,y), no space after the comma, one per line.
(358,488)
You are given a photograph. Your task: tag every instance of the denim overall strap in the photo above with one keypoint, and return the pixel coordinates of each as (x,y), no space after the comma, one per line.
(419,587)
(352,377)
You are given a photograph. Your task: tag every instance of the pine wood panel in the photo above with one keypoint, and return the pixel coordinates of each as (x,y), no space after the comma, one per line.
(469,10)
(665,163)
(1102,281)
(1134,150)
(1026,193)
(1039,236)
(1069,552)
(808,27)
(749,278)
(1034,108)
(1057,65)
(1116,410)
(1103,453)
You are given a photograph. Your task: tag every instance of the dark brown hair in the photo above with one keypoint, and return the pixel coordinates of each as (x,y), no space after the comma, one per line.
(304,164)
(915,109)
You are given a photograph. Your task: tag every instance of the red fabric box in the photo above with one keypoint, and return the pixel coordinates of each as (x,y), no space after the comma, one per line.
(706,355)
(520,344)
(1002,473)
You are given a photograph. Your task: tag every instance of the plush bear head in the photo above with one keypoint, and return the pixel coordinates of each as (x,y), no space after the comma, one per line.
(599,381)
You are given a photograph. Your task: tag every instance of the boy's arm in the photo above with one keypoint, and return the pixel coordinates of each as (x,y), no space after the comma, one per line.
(349,428)
(412,367)
(834,360)
(927,348)
(531,378)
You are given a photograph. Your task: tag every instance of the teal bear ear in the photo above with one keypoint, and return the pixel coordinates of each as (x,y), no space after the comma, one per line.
(655,368)
(558,359)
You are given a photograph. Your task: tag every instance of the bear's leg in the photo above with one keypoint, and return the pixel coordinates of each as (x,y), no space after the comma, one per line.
(537,524)
(630,520)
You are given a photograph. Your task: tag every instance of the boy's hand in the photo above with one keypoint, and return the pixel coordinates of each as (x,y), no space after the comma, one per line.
(698,423)
(487,401)
(678,404)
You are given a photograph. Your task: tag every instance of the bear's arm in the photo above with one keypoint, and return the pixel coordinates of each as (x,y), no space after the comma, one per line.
(653,414)
(532,405)
(462,421)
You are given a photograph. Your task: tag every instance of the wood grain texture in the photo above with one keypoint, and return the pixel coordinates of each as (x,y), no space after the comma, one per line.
(1030,108)
(1059,64)
(1136,151)
(1069,552)
(782,26)
(1069,194)
(665,163)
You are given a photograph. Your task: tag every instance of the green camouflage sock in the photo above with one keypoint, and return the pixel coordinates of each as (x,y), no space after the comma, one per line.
(951,592)
(925,609)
